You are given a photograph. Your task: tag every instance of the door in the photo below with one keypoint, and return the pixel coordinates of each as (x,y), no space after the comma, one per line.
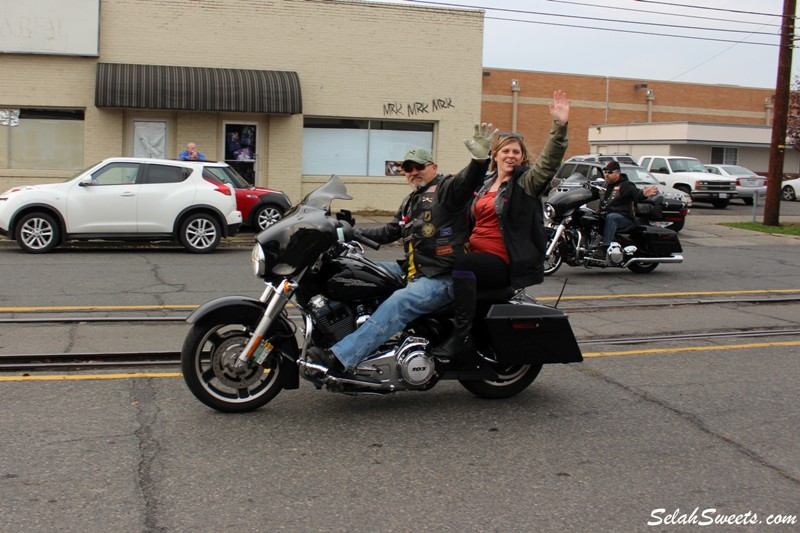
(240,149)
(108,205)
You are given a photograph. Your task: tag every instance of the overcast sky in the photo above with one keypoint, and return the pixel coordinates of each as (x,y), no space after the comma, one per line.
(567,43)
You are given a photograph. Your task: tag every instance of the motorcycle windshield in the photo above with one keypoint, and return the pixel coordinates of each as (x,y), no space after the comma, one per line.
(567,200)
(307,230)
(321,198)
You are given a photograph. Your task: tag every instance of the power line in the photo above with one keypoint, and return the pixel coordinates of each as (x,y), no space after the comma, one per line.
(629,31)
(706,61)
(596,19)
(650,11)
(709,8)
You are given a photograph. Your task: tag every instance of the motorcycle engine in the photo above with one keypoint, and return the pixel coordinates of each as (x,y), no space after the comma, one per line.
(416,367)
(615,254)
(334,320)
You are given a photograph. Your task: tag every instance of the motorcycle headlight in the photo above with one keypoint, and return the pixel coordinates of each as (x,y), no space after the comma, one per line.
(258,261)
(549,211)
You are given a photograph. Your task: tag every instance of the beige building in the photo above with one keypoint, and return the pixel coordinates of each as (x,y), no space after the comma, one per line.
(309,87)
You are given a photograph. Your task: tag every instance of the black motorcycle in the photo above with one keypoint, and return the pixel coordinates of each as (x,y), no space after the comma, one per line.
(574,229)
(241,352)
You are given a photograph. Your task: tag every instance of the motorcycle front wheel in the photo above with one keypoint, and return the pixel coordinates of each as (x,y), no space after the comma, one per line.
(553,261)
(510,381)
(208,362)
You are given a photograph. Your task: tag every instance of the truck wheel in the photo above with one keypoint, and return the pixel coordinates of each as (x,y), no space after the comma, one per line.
(720,203)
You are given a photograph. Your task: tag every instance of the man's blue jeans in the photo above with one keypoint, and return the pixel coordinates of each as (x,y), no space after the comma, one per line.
(420,297)
(614,221)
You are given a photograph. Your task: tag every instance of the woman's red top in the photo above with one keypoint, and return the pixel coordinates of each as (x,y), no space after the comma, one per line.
(486,236)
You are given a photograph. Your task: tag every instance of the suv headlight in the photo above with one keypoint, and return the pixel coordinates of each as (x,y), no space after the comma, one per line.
(258,261)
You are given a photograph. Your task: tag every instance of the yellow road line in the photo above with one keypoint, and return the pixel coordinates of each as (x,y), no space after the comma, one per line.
(78,377)
(693,349)
(661,294)
(543,298)
(96,308)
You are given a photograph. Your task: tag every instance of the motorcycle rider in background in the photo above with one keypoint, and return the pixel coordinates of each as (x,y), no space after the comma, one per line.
(617,204)
(432,222)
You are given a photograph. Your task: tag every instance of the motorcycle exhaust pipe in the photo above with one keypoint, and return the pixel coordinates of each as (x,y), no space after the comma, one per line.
(670,259)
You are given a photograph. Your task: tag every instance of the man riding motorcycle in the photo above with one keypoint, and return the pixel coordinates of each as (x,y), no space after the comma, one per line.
(617,204)
(432,223)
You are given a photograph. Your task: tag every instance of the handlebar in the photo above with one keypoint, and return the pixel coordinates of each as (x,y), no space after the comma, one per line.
(349,233)
(360,237)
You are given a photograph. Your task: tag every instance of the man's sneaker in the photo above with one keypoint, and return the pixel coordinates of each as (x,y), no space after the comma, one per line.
(324,357)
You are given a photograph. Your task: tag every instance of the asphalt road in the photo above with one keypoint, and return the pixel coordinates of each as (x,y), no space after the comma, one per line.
(638,434)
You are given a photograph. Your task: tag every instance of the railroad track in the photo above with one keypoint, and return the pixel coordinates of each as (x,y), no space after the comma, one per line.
(121,359)
(99,360)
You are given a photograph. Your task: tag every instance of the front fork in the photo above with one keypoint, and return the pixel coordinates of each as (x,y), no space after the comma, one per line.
(556,237)
(276,298)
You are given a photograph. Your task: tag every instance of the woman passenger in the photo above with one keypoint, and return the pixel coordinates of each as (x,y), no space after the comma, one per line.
(507,242)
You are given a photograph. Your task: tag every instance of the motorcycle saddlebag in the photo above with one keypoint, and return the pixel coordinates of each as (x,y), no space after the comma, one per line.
(661,241)
(528,333)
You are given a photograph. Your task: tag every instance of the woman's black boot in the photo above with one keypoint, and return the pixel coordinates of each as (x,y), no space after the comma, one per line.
(460,342)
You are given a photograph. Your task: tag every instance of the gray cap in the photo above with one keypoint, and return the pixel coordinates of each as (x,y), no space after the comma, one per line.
(419,155)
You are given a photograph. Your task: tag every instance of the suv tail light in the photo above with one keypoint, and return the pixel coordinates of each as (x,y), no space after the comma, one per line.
(220,187)
(738,182)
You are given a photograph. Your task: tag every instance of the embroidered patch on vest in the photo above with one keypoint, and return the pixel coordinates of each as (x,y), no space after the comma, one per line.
(444,250)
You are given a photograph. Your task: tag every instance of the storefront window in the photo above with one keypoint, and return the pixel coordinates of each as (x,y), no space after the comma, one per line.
(43,139)
(240,149)
(360,147)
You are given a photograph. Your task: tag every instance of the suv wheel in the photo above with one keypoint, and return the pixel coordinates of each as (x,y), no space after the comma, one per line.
(200,233)
(37,233)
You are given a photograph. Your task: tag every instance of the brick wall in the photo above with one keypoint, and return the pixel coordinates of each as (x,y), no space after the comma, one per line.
(601,100)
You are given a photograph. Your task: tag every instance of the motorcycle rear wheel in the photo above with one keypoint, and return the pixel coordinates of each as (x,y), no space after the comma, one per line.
(511,380)
(642,268)
(207,360)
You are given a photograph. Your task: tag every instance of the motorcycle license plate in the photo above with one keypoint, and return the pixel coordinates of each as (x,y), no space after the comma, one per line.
(723,195)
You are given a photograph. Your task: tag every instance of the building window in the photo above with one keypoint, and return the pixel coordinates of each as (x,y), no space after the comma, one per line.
(724,156)
(360,147)
(48,139)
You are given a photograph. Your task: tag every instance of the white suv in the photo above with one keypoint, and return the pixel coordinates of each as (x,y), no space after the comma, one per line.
(124,198)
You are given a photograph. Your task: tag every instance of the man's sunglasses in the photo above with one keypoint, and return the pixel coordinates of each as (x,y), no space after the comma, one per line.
(609,171)
(410,166)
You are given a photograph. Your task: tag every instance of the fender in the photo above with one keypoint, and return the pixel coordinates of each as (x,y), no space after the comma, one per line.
(227,302)
(238,306)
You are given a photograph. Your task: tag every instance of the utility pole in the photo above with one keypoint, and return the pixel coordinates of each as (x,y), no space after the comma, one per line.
(777,150)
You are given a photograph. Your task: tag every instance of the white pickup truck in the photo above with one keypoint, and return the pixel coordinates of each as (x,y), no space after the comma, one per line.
(688,174)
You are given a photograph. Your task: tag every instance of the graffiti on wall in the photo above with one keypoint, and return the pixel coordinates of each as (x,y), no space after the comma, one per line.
(413,109)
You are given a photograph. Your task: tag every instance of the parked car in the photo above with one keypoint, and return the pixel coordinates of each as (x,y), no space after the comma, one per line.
(124,198)
(619,157)
(260,206)
(747,181)
(688,174)
(676,203)
(790,189)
